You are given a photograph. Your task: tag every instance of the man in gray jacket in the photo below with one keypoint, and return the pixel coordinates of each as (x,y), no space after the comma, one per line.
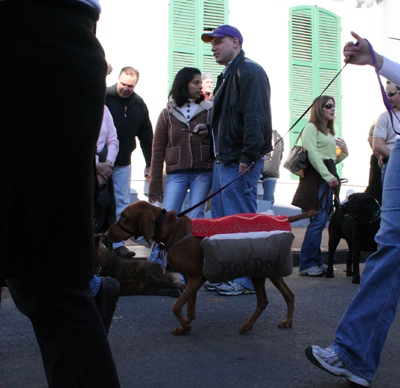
(270,173)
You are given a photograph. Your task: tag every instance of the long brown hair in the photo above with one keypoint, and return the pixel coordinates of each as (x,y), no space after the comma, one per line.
(317,115)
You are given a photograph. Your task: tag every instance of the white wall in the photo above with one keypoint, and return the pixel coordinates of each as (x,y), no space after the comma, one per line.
(135,33)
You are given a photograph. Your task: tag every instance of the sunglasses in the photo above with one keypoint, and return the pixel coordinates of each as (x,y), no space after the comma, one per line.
(329,106)
(391,94)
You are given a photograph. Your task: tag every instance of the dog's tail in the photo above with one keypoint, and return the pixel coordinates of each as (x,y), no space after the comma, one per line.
(302,216)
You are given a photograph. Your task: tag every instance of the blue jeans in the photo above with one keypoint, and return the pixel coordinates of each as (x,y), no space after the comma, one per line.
(240,197)
(122,191)
(269,185)
(95,284)
(383,172)
(198,181)
(363,329)
(310,254)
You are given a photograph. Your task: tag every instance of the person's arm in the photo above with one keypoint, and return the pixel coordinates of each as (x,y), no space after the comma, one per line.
(112,142)
(160,142)
(145,136)
(360,55)
(256,113)
(379,147)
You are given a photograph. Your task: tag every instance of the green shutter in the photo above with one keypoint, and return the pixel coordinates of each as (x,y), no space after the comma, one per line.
(301,66)
(215,14)
(182,35)
(314,61)
(188,19)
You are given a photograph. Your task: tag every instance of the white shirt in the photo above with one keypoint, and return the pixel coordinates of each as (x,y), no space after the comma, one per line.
(384,129)
(391,71)
(188,109)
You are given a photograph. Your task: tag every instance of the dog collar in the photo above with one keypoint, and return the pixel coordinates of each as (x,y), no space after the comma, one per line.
(377,214)
(159,222)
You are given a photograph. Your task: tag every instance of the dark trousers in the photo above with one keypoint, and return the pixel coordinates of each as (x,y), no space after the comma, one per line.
(52,89)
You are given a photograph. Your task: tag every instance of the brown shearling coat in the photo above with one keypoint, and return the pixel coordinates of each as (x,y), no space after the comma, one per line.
(178,149)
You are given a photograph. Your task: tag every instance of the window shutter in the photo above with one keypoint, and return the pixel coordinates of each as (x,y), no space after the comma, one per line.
(301,67)
(182,35)
(314,61)
(215,14)
(188,20)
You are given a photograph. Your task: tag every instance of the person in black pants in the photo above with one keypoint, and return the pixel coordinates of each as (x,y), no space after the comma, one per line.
(52,90)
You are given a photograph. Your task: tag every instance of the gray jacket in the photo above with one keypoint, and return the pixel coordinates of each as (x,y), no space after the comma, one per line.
(273,159)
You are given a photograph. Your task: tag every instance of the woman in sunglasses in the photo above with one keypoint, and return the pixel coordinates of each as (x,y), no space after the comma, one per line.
(314,190)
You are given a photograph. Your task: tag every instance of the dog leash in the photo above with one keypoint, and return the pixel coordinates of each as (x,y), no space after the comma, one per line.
(386,101)
(270,149)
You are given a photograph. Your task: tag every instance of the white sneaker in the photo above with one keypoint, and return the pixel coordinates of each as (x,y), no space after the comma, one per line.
(312,271)
(328,360)
(211,286)
(324,267)
(232,288)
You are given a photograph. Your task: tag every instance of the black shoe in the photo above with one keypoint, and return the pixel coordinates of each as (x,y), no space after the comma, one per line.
(106,300)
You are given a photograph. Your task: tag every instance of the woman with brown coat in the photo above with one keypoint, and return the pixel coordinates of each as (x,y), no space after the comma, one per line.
(187,158)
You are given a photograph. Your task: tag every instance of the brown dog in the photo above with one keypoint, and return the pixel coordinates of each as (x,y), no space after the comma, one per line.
(143,219)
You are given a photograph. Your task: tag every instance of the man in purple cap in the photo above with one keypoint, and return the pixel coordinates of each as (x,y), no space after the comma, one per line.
(241,129)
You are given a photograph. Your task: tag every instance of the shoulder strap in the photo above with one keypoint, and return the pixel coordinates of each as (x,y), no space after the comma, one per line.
(298,137)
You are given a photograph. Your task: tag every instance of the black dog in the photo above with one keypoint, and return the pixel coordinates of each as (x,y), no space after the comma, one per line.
(357,221)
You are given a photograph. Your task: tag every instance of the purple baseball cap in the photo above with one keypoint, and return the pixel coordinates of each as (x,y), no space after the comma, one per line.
(221,31)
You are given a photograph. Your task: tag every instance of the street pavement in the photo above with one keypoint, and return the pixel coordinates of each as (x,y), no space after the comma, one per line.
(214,354)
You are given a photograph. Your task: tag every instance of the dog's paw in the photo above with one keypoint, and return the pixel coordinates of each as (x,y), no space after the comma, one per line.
(181,331)
(356,279)
(286,324)
(329,273)
(245,328)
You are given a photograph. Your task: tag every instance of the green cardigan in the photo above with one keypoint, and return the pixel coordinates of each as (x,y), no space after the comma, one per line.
(320,147)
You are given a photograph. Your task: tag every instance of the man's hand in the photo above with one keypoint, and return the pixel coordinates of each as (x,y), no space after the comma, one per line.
(104,169)
(243,167)
(153,198)
(360,55)
(101,180)
(201,130)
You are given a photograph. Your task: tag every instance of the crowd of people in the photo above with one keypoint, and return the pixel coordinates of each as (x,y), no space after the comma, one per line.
(204,139)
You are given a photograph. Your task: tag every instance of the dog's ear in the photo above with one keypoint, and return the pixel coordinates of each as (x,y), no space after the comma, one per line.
(147,225)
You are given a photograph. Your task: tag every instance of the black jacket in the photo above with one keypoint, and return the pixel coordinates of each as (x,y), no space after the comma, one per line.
(241,121)
(131,119)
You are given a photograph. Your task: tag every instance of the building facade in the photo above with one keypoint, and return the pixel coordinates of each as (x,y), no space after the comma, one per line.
(299,44)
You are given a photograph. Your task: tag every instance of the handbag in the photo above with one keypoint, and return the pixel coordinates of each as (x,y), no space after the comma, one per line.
(297,160)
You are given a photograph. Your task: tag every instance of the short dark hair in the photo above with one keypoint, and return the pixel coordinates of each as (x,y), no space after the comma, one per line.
(317,115)
(179,90)
(130,71)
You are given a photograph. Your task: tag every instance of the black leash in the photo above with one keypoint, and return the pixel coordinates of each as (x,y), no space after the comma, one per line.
(270,149)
